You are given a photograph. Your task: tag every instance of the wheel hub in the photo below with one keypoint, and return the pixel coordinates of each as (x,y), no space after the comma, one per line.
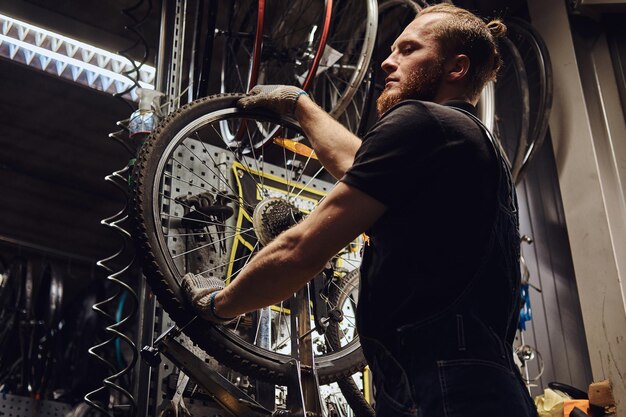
(273,216)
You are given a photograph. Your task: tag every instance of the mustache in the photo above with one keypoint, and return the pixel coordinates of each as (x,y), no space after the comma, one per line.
(421,84)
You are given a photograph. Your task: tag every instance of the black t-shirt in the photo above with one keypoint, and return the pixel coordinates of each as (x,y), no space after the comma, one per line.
(435,171)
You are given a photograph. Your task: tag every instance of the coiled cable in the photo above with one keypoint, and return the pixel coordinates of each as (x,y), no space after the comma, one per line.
(120,309)
(120,395)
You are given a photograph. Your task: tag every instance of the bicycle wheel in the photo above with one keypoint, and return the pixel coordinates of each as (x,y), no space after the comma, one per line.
(10,293)
(538,69)
(345,297)
(194,200)
(291,43)
(16,297)
(512,106)
(47,304)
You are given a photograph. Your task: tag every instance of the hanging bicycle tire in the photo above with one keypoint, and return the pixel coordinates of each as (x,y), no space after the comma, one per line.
(12,278)
(293,40)
(194,199)
(538,71)
(512,109)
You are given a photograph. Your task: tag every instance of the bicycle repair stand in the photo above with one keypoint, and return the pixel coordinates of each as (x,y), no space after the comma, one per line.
(230,397)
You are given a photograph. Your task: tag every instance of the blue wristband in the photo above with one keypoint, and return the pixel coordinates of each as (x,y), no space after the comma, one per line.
(212,307)
(295,103)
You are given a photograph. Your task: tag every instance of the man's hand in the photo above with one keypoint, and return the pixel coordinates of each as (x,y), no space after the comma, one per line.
(200,292)
(280,99)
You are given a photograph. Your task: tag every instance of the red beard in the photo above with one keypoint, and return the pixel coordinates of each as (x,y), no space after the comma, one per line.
(421,84)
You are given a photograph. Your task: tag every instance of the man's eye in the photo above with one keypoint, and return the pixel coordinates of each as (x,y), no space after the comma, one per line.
(407,50)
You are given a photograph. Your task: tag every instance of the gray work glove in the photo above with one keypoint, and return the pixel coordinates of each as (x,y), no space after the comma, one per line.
(280,99)
(200,292)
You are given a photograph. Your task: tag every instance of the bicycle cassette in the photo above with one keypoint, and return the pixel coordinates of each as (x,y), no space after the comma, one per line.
(273,216)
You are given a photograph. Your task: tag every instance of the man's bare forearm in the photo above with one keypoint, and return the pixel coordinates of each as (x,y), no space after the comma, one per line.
(272,276)
(334,145)
(298,254)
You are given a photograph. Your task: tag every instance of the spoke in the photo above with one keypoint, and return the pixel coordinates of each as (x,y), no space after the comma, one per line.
(191,172)
(290,34)
(281,314)
(193,250)
(356,263)
(166,175)
(245,166)
(232,200)
(306,164)
(213,242)
(348,296)
(287,173)
(238,321)
(255,158)
(192,185)
(290,189)
(208,152)
(256,245)
(258,327)
(351,322)
(177,201)
(309,182)
(242,85)
(347,120)
(217,174)
(341,291)
(236,230)
(200,233)
(287,326)
(220,266)
(334,86)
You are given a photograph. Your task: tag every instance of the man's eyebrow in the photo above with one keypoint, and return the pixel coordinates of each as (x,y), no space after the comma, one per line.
(404,41)
(396,43)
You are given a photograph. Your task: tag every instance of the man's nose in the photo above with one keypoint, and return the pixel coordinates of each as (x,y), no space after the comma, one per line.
(389,64)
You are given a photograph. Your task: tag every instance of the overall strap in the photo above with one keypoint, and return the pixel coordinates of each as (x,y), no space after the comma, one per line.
(505,164)
(504,183)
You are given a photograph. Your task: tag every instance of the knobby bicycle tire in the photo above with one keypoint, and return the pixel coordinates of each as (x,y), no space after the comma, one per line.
(183,128)
(346,296)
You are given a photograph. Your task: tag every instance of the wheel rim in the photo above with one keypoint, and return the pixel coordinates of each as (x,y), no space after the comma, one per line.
(289,46)
(191,168)
(512,106)
(538,71)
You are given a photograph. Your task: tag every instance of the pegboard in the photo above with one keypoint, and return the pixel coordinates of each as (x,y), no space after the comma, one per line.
(197,168)
(17,406)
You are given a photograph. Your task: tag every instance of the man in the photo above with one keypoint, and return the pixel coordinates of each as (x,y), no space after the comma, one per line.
(439,296)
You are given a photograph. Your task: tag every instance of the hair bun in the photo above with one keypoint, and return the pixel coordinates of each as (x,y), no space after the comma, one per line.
(497,28)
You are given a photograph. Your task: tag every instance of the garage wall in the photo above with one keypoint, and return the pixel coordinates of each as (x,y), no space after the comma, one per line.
(556,330)
(588,130)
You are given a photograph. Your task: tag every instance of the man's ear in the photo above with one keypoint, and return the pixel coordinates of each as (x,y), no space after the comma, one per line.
(457,67)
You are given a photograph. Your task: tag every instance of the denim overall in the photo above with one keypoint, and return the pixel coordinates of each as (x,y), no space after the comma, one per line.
(459,362)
